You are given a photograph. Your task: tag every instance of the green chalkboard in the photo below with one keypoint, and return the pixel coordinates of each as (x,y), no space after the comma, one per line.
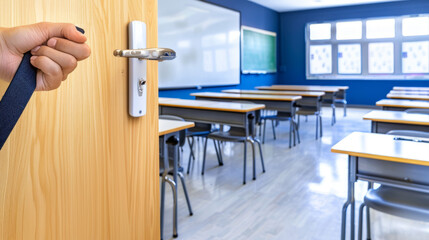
(258,51)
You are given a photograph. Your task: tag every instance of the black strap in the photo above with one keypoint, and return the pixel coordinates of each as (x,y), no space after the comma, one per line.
(17,95)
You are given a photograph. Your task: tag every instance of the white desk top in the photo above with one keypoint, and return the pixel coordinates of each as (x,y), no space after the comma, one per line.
(266,92)
(397,117)
(246,96)
(383,147)
(402,103)
(210,105)
(170,126)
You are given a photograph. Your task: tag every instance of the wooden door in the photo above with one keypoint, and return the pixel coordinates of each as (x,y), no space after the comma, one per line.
(77,166)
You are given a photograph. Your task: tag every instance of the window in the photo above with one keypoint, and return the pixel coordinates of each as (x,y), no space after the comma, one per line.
(349,30)
(380,58)
(320,31)
(381,48)
(415,57)
(415,26)
(349,59)
(381,28)
(320,59)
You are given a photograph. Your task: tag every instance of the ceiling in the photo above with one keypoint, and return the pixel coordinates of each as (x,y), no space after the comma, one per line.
(294,5)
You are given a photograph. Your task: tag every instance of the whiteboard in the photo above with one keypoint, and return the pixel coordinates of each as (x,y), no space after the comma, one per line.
(206,39)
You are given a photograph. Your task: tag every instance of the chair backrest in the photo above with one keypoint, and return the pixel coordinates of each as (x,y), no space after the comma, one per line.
(417,110)
(182,133)
(409,133)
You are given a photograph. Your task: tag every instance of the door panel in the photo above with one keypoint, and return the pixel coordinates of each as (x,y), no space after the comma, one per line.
(77,166)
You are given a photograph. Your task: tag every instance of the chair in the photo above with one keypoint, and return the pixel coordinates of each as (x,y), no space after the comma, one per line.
(311,107)
(167,168)
(201,130)
(341,98)
(331,102)
(238,134)
(308,112)
(417,110)
(280,116)
(396,201)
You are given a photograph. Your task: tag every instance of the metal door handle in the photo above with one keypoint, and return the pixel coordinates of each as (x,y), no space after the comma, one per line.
(158,54)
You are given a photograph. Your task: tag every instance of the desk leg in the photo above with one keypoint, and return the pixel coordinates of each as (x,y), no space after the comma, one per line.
(334,120)
(350,201)
(175,169)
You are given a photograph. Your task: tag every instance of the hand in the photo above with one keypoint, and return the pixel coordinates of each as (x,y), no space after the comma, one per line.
(56,48)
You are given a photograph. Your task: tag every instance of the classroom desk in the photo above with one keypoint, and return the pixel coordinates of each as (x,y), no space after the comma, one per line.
(331,93)
(224,113)
(166,130)
(306,97)
(408,96)
(384,121)
(401,105)
(271,102)
(411,88)
(400,92)
(379,158)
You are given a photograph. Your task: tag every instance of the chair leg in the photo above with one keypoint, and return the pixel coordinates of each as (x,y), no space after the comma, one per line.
(260,153)
(306,118)
(293,132)
(191,154)
(290,133)
(263,134)
(254,158)
(274,130)
(204,156)
(182,179)
(162,206)
(321,125)
(219,157)
(333,121)
(317,126)
(244,162)
(173,189)
(345,107)
(297,131)
(362,206)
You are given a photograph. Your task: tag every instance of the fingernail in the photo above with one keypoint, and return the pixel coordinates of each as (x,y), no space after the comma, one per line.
(52,42)
(35,49)
(33,58)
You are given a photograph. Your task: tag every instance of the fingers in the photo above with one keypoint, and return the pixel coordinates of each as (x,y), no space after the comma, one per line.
(79,50)
(50,74)
(24,38)
(61,30)
(66,61)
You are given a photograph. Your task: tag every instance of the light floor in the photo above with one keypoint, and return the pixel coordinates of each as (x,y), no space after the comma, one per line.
(299,197)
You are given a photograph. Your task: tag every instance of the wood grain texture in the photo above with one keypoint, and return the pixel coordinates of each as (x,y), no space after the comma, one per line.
(210,105)
(77,166)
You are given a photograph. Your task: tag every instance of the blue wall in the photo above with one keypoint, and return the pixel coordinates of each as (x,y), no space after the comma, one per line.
(252,15)
(292,37)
